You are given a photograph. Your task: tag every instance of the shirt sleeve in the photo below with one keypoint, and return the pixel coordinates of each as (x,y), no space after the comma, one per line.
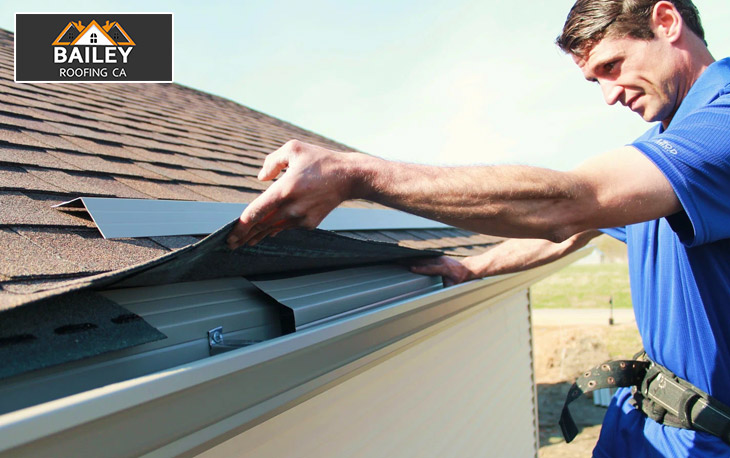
(619,233)
(694,155)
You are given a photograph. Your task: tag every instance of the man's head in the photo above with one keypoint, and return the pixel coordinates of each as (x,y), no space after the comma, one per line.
(645,54)
(590,21)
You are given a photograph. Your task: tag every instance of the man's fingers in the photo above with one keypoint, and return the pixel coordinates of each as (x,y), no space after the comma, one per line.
(254,214)
(274,163)
(429,269)
(262,235)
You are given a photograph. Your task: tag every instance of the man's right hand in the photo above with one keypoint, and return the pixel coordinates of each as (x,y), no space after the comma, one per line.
(316,180)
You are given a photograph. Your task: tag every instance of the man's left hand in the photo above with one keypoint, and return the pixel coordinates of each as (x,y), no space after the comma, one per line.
(452,271)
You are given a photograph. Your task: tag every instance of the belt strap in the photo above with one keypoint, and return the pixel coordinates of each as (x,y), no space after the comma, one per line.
(611,374)
(658,393)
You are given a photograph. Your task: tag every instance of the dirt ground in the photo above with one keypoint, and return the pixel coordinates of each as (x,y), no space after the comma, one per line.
(562,353)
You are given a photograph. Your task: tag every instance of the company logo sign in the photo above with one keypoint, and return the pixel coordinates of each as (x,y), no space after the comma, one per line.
(86,47)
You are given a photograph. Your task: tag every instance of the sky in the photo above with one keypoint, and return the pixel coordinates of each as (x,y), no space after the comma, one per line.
(439,82)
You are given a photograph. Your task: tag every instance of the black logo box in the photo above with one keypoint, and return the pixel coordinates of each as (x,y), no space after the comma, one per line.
(149,61)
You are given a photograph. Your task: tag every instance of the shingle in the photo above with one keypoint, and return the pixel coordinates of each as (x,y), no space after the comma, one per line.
(90,162)
(17,208)
(15,136)
(55,142)
(175,242)
(31,286)
(156,156)
(87,248)
(8,118)
(173,173)
(23,258)
(182,193)
(463,251)
(152,189)
(206,164)
(408,239)
(19,178)
(79,131)
(230,180)
(98,147)
(223,194)
(30,156)
(82,184)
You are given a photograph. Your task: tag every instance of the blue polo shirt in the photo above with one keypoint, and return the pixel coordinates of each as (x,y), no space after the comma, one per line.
(679,267)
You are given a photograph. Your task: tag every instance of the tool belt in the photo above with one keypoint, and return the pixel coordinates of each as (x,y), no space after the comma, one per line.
(658,393)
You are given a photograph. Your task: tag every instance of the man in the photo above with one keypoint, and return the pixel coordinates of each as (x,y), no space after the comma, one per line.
(665,195)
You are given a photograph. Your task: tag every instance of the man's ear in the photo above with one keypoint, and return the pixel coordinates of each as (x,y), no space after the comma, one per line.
(666,21)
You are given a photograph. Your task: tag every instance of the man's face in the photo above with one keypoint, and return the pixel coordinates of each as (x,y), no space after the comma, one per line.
(640,74)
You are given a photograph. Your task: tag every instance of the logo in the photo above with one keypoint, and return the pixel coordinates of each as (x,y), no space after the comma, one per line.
(109,44)
(666,146)
(76,47)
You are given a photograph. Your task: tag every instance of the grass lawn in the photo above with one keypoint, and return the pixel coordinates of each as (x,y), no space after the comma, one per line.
(584,286)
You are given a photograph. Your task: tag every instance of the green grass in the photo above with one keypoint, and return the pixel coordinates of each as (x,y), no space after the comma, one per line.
(584,286)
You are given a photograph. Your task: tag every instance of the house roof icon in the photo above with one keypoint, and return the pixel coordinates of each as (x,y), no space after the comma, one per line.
(111,34)
(69,34)
(115,30)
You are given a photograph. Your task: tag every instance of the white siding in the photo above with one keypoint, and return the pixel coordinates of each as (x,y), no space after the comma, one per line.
(464,391)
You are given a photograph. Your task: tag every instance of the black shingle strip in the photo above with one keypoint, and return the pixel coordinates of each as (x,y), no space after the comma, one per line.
(67,328)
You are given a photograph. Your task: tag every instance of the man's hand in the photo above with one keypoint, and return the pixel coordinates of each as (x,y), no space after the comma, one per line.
(453,271)
(315,181)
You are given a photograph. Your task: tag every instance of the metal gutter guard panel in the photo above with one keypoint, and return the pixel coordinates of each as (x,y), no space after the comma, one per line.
(327,296)
(118,218)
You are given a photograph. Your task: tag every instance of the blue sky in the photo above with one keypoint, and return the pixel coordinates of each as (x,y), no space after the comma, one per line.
(457,82)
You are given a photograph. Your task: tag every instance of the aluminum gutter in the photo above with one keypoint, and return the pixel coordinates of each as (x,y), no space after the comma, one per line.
(187,409)
(118,218)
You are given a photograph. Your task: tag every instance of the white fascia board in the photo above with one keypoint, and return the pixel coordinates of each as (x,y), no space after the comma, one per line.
(120,218)
(195,405)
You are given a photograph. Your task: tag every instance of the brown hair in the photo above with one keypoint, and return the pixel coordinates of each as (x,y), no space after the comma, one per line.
(589,21)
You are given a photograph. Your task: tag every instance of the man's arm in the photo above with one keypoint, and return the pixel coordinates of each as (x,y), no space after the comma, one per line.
(615,189)
(512,255)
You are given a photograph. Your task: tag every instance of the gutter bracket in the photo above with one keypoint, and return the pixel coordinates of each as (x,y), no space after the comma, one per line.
(217,344)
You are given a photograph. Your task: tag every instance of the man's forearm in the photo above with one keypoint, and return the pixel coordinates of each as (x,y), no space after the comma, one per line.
(515,255)
(512,255)
(514,201)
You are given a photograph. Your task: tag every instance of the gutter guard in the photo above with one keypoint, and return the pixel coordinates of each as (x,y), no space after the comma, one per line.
(119,218)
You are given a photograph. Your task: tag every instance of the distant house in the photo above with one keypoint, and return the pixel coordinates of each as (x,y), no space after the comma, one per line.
(596,256)
(316,343)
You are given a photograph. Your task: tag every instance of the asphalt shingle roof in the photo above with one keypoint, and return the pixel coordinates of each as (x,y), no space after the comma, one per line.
(149,141)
